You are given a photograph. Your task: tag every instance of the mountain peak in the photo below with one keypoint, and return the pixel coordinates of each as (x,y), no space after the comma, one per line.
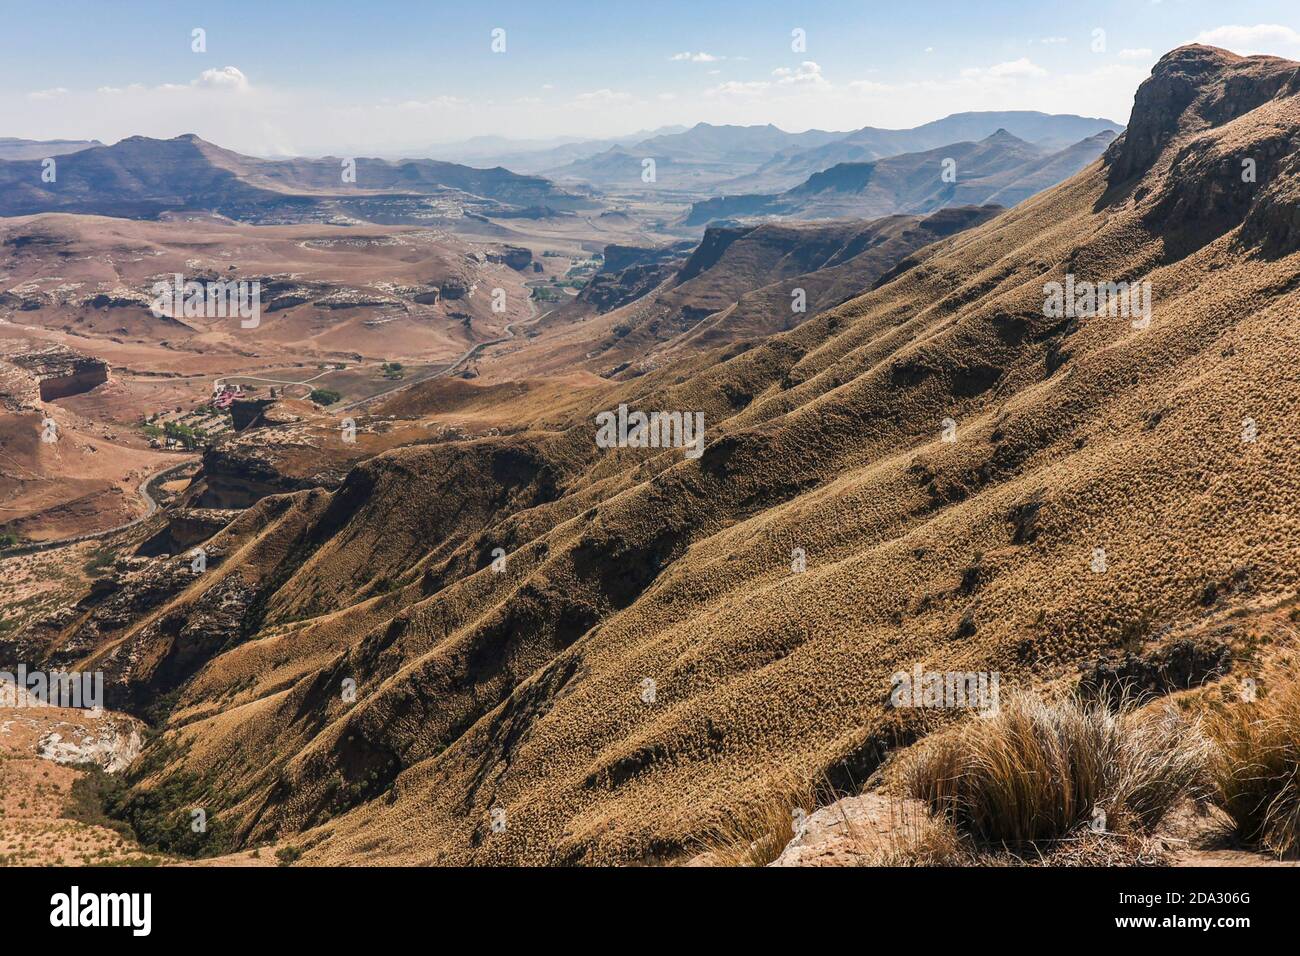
(1215,85)
(1001,136)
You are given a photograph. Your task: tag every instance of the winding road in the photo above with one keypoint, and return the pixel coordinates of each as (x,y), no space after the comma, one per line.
(152,506)
(469,353)
(151,509)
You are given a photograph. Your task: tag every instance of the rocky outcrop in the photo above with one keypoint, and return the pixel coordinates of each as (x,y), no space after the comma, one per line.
(59,371)
(110,742)
(516,257)
(19,390)
(608,291)
(1216,183)
(618,257)
(454,287)
(853,831)
(630,272)
(247,412)
(191,526)
(118,298)
(1181,665)
(185,528)
(1222,84)
(238,474)
(112,604)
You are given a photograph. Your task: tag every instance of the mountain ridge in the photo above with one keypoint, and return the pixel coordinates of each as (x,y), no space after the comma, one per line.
(778,158)
(142,177)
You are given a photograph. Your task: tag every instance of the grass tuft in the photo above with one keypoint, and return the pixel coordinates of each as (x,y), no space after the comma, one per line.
(755,833)
(1256,768)
(1039,770)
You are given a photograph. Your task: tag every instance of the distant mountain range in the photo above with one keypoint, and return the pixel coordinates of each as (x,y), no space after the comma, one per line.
(1000,169)
(11,148)
(697,159)
(751,159)
(142,178)
(534,156)
(725,171)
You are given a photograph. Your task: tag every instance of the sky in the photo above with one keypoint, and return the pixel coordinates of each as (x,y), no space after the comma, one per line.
(391,77)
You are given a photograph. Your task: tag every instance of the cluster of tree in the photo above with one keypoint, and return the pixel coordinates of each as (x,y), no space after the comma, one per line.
(176,433)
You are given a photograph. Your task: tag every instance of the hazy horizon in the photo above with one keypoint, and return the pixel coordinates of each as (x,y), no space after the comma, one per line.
(313,81)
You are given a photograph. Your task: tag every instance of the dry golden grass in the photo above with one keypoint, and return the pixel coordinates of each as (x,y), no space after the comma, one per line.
(1038,770)
(926,841)
(755,833)
(1256,767)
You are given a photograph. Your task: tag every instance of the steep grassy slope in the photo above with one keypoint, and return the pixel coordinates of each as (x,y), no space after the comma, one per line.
(522,687)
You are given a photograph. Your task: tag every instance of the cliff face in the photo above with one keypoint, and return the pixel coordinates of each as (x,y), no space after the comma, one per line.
(1195,89)
(630,272)
(741,284)
(618,257)
(1212,132)
(236,474)
(516,257)
(59,371)
(607,291)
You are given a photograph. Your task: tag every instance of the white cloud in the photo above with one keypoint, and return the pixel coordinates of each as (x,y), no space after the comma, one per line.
(49,94)
(1270,38)
(1140,53)
(1011,69)
(226,78)
(807,72)
(700,57)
